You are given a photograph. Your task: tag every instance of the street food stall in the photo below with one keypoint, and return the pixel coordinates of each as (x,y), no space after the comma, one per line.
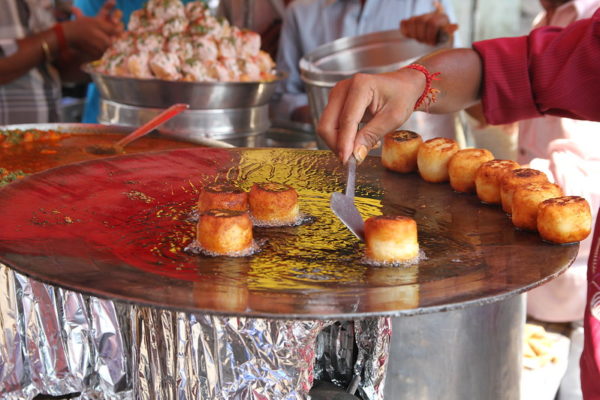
(187,323)
(105,294)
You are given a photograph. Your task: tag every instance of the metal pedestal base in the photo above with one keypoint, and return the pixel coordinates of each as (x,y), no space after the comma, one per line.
(470,353)
(328,391)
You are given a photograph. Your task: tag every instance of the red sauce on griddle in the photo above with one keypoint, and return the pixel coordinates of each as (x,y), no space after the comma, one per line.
(48,149)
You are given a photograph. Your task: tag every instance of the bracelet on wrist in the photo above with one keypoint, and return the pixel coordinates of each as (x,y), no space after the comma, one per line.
(429,95)
(63,46)
(46,50)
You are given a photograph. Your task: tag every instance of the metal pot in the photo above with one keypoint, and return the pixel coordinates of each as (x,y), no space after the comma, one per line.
(237,126)
(376,52)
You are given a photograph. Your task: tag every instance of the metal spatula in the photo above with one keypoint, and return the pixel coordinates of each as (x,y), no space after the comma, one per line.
(343,206)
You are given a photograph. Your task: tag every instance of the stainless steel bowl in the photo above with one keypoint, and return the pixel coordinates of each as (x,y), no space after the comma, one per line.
(158,93)
(376,52)
(237,126)
(372,53)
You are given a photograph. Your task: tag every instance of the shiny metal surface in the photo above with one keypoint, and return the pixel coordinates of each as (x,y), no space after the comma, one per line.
(128,235)
(157,93)
(376,52)
(342,204)
(372,53)
(77,343)
(290,134)
(57,342)
(328,391)
(197,356)
(470,353)
(70,127)
(104,128)
(238,127)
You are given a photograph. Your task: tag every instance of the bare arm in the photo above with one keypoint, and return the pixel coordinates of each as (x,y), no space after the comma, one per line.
(387,100)
(86,37)
(29,55)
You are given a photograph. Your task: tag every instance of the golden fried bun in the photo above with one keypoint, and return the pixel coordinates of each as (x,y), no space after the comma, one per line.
(462,168)
(564,219)
(433,158)
(224,232)
(399,152)
(487,179)
(526,200)
(222,196)
(515,178)
(274,203)
(391,239)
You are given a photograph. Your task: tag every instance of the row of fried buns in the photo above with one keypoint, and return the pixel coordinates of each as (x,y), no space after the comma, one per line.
(525,194)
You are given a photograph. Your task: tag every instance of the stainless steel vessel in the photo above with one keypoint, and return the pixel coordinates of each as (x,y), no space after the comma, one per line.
(235,112)
(237,126)
(377,52)
(158,93)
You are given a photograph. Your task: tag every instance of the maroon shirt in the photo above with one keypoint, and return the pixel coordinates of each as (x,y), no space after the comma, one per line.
(552,71)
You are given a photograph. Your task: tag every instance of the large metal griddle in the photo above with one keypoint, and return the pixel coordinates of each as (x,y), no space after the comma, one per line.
(117,228)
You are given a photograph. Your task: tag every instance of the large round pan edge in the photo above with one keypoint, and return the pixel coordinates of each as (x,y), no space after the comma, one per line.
(118,227)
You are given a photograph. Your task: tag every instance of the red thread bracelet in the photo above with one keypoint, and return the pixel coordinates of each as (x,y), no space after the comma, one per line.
(429,95)
(63,46)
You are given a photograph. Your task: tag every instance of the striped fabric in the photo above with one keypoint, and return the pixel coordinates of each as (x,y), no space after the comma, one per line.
(33,97)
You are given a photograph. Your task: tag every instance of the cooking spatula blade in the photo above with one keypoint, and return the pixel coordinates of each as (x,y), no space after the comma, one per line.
(343,207)
(343,204)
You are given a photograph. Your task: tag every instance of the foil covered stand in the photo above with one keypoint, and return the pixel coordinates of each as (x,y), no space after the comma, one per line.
(58,342)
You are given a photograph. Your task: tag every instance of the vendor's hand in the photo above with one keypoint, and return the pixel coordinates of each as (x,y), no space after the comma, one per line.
(428,28)
(386,100)
(91,36)
(111,13)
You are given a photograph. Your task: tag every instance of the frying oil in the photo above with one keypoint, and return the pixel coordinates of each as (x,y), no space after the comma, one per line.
(407,263)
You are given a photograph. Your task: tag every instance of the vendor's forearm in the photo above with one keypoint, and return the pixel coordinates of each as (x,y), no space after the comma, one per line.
(459,79)
(30,53)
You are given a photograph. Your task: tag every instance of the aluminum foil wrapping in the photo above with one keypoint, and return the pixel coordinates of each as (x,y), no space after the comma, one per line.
(373,337)
(110,377)
(336,353)
(354,355)
(58,342)
(15,379)
(191,356)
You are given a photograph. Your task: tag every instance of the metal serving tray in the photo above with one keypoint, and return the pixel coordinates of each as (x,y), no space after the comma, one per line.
(117,228)
(158,93)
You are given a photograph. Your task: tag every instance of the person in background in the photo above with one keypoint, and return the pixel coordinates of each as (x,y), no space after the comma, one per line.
(265,18)
(552,71)
(567,150)
(92,7)
(36,53)
(309,24)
